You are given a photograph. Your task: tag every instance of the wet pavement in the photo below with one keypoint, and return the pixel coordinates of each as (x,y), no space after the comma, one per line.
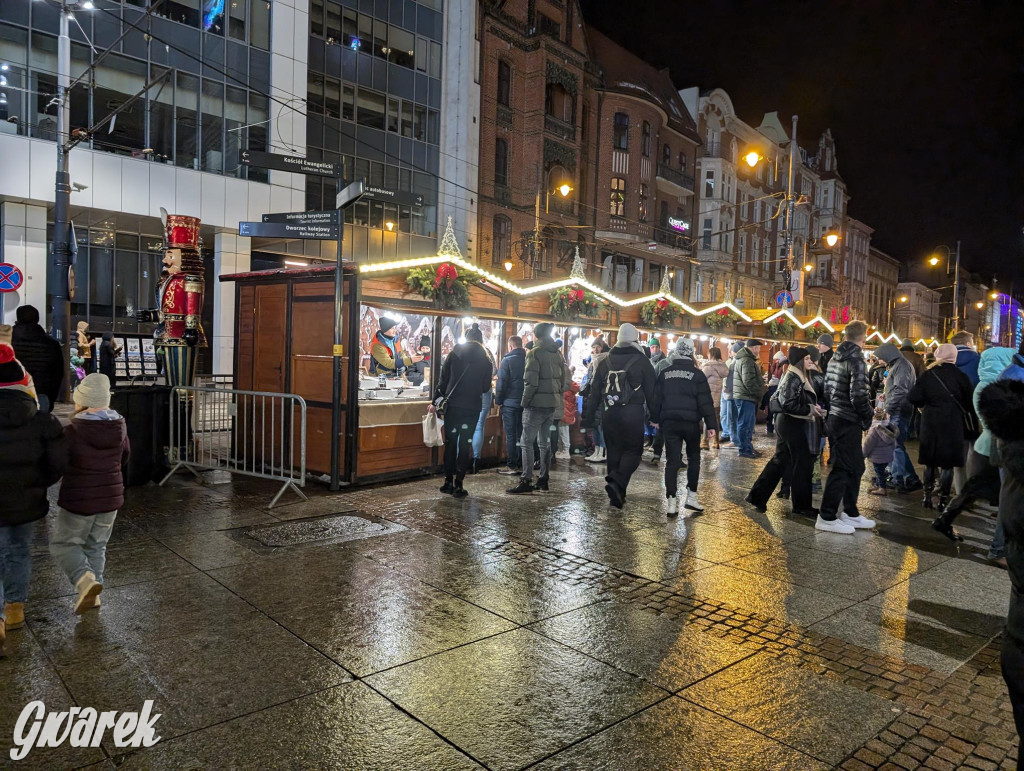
(397,628)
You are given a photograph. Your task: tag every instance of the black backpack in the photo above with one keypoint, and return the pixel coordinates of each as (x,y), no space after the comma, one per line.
(617,391)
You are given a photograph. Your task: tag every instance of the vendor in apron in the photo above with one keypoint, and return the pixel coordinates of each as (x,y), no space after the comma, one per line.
(386,355)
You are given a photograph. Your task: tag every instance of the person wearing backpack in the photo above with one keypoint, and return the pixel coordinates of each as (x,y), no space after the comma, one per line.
(545,380)
(626,381)
(682,398)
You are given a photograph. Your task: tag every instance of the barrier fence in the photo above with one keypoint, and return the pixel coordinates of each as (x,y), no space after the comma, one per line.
(251,433)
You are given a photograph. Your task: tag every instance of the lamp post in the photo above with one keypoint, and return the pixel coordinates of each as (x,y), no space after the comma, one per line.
(935,260)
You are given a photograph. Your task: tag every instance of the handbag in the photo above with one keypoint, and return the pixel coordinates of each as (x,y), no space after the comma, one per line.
(433,431)
(441,402)
(972,429)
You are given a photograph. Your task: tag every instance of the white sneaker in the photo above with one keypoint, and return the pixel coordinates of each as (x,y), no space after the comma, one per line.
(673,505)
(692,504)
(563,455)
(833,526)
(858,522)
(88,590)
(597,456)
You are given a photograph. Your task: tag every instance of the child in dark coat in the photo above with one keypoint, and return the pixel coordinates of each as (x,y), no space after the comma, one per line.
(92,491)
(879,448)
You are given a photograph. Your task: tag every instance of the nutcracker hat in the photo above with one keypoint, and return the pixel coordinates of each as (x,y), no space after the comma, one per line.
(13,376)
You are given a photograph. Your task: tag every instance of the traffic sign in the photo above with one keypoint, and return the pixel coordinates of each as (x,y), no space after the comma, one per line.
(400,197)
(11,277)
(328,232)
(332,217)
(784,299)
(291,163)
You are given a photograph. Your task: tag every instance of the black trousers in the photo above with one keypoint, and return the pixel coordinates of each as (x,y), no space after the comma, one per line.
(945,479)
(792,464)
(676,434)
(984,483)
(843,485)
(624,439)
(459,426)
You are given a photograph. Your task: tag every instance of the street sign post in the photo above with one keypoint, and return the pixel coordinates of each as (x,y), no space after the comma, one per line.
(332,217)
(400,197)
(326,232)
(351,193)
(291,163)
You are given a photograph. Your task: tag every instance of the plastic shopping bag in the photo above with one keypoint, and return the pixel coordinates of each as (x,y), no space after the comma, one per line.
(433,431)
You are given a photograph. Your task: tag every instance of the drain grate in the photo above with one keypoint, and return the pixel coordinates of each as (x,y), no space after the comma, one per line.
(340,528)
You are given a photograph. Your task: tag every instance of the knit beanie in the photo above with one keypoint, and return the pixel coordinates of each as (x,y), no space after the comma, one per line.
(826,340)
(753,342)
(815,354)
(779,356)
(627,334)
(386,323)
(474,335)
(946,354)
(425,341)
(797,354)
(93,392)
(908,345)
(27,314)
(684,347)
(543,330)
(737,346)
(13,376)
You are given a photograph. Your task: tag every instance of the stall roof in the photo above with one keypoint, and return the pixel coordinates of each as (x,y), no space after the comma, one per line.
(310,271)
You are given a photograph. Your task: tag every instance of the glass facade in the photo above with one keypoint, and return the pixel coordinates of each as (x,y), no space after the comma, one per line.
(374,100)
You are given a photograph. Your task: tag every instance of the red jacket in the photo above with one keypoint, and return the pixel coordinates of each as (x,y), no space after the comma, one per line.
(92,480)
(569,415)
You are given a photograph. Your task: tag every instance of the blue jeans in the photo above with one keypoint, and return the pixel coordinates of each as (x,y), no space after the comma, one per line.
(880,469)
(15,563)
(536,428)
(512,420)
(79,544)
(478,435)
(726,416)
(746,416)
(901,468)
(598,436)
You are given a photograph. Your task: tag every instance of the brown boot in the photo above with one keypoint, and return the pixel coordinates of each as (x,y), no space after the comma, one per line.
(704,442)
(718,443)
(15,612)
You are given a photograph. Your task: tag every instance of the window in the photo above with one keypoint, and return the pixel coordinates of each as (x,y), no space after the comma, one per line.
(585,123)
(548,26)
(618,197)
(370,109)
(705,236)
(259,24)
(504,83)
(646,147)
(742,243)
(501,239)
(620,136)
(709,184)
(682,161)
(500,162)
(559,103)
(401,47)
(643,203)
(666,155)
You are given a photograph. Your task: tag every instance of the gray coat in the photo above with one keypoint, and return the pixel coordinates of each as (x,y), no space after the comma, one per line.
(899,381)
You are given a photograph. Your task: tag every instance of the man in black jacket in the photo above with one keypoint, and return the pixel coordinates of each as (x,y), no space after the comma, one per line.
(850,413)
(682,398)
(625,382)
(39,354)
(465,378)
(825,343)
(509,396)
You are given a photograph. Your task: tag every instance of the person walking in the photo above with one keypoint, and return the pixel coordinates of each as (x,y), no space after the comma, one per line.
(509,396)
(715,371)
(916,360)
(850,413)
(92,490)
(777,369)
(825,343)
(625,380)
(899,380)
(798,419)
(983,479)
(473,334)
(599,351)
(465,378)
(879,448)
(33,454)
(943,393)
(545,378)
(40,355)
(682,399)
(1001,406)
(747,389)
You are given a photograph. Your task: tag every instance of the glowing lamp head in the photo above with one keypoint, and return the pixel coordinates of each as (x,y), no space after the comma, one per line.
(832,239)
(933,260)
(808,267)
(979,305)
(752,158)
(389,225)
(565,188)
(904,298)
(994,295)
(508,265)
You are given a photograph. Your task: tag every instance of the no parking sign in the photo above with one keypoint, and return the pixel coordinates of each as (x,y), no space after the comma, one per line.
(11,277)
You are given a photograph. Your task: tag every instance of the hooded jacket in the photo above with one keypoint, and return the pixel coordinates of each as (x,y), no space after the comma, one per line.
(880,443)
(1015,370)
(98,448)
(991,365)
(41,356)
(682,393)
(899,380)
(846,386)
(715,371)
(509,390)
(465,377)
(967,360)
(748,382)
(545,377)
(33,454)
(640,379)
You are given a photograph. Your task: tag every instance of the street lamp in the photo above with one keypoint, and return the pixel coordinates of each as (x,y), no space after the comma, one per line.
(904,298)
(831,239)
(752,158)
(565,188)
(934,260)
(808,267)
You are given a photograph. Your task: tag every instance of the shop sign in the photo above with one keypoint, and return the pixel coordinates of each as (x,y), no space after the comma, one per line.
(677,224)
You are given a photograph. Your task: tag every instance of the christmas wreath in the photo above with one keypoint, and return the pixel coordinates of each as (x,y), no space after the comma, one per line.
(720,318)
(659,313)
(815,330)
(781,327)
(568,304)
(443,285)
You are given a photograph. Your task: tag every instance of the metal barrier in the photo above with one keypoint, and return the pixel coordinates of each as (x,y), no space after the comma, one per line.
(210,410)
(253,433)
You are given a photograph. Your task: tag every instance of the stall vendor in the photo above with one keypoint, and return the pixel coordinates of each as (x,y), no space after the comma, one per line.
(386,354)
(417,372)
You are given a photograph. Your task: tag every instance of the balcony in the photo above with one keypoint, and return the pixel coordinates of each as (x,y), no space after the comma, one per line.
(825,282)
(674,182)
(560,128)
(714,150)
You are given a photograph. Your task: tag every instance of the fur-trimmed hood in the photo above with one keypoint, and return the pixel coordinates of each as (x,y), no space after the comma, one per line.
(1001,406)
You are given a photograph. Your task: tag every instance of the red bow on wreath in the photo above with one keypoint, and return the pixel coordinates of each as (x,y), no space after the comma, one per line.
(662,304)
(445,272)
(723,311)
(576,295)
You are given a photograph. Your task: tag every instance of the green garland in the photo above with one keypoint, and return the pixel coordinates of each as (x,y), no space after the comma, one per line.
(443,285)
(781,328)
(568,304)
(815,331)
(659,313)
(720,318)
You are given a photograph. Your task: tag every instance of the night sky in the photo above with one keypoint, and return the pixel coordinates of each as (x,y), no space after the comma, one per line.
(925,100)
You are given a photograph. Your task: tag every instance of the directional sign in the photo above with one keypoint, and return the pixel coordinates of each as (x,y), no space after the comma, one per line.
(351,193)
(332,217)
(401,197)
(328,232)
(11,277)
(288,163)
